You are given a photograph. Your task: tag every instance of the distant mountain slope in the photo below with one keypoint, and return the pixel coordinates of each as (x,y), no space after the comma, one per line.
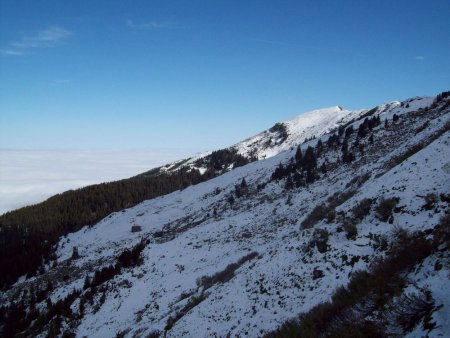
(242,253)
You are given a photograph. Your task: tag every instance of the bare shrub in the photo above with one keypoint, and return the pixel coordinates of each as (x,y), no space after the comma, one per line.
(385,208)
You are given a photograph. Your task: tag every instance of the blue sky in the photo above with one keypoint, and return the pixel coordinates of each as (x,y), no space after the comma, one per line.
(205,74)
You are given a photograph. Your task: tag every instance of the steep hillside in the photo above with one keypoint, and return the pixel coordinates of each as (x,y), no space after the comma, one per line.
(243,253)
(28,234)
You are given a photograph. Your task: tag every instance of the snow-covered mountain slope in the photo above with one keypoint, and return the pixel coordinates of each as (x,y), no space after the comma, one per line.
(299,129)
(282,136)
(309,125)
(242,253)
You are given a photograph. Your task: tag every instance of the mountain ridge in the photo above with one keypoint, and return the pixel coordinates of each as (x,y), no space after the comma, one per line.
(258,145)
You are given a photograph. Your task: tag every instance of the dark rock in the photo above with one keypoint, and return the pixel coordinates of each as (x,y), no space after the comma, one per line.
(136,228)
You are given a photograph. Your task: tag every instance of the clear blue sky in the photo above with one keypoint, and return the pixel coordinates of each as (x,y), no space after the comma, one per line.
(205,74)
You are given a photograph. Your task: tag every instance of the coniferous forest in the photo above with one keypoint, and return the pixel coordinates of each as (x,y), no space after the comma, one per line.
(28,234)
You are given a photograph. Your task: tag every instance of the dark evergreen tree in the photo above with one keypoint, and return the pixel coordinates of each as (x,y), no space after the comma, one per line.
(348,131)
(220,160)
(104,275)
(344,147)
(231,199)
(362,129)
(289,183)
(348,157)
(361,149)
(319,147)
(49,286)
(243,183)
(279,173)
(130,258)
(309,159)
(310,176)
(87,282)
(442,96)
(333,141)
(377,120)
(298,179)
(290,169)
(75,254)
(298,155)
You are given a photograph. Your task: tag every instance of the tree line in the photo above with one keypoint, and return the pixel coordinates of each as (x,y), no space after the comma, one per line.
(28,235)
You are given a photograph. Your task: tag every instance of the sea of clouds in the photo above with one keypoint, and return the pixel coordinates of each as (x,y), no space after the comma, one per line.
(30,176)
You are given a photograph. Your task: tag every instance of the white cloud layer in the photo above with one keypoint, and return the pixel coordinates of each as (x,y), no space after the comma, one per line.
(45,38)
(31,176)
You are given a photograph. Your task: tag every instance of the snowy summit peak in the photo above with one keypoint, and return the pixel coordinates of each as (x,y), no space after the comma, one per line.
(292,132)
(318,115)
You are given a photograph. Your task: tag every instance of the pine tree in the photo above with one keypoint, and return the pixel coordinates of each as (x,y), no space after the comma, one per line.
(310,176)
(362,129)
(298,179)
(348,131)
(377,121)
(333,141)
(75,254)
(81,307)
(319,147)
(289,183)
(49,287)
(298,155)
(309,160)
(87,282)
(344,147)
(279,172)
(231,199)
(361,149)
(243,183)
(348,157)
